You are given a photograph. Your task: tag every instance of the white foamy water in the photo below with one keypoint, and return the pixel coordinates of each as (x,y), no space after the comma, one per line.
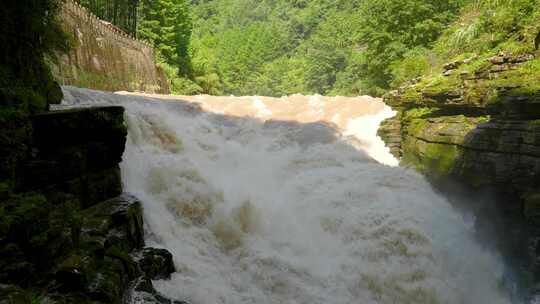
(292,211)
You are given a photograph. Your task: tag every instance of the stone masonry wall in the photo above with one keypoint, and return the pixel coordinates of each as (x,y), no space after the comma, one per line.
(104,57)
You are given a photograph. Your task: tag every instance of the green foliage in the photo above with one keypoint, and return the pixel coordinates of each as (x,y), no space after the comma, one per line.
(391,28)
(19,211)
(415,63)
(325,47)
(244,51)
(271,47)
(209,83)
(122,13)
(485,28)
(167,24)
(36,299)
(523,81)
(330,53)
(280,77)
(177,84)
(515,20)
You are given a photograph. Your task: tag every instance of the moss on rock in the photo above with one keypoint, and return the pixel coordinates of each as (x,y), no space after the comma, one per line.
(477,124)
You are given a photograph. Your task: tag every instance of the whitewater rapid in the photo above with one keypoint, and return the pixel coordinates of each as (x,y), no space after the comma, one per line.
(302,207)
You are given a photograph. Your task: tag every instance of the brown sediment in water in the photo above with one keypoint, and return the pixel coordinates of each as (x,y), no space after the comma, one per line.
(337,110)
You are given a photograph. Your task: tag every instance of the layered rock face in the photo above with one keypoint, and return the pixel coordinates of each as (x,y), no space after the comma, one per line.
(67,233)
(478,123)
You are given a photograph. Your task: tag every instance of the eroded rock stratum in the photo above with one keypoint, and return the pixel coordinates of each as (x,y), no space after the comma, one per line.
(478,123)
(67,233)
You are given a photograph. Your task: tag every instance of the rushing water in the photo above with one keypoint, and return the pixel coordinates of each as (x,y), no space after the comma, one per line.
(260,203)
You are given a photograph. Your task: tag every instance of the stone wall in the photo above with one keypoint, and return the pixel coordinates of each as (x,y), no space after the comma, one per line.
(104,57)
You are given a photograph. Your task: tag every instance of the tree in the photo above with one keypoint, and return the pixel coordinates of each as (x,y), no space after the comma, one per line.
(167,24)
(390,28)
(329,49)
(122,13)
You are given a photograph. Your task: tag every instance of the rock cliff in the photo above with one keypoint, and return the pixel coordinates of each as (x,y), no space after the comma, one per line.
(478,123)
(67,233)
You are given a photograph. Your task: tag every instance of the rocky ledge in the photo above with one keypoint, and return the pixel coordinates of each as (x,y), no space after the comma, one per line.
(67,233)
(478,123)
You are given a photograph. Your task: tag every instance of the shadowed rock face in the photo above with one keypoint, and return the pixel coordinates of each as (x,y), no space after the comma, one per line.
(67,233)
(482,129)
(76,152)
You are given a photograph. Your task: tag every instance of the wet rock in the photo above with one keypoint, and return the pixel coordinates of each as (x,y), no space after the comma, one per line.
(81,126)
(483,131)
(71,273)
(143,292)
(65,228)
(390,132)
(498,60)
(452,65)
(114,264)
(448,73)
(76,152)
(116,222)
(156,263)
(498,68)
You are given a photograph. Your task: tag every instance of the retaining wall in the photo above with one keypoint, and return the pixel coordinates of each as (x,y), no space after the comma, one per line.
(105,57)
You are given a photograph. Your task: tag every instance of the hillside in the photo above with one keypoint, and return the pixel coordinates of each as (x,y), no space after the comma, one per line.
(472,116)
(327,47)
(483,30)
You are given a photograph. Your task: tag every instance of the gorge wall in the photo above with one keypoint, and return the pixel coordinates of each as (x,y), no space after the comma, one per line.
(478,123)
(104,57)
(67,233)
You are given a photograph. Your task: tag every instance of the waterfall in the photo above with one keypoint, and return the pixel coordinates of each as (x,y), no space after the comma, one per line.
(292,200)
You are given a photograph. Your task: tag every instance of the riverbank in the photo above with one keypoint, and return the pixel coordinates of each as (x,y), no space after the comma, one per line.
(476,124)
(68,234)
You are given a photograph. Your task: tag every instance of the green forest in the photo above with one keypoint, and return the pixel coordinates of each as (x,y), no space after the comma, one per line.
(329,47)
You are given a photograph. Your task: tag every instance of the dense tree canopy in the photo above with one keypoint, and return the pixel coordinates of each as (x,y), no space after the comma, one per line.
(167,23)
(122,13)
(326,47)
(390,28)
(278,47)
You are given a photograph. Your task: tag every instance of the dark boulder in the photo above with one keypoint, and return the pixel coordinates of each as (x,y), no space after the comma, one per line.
(143,291)
(156,263)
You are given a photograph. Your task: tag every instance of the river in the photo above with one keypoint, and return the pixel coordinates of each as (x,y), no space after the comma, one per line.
(292,200)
